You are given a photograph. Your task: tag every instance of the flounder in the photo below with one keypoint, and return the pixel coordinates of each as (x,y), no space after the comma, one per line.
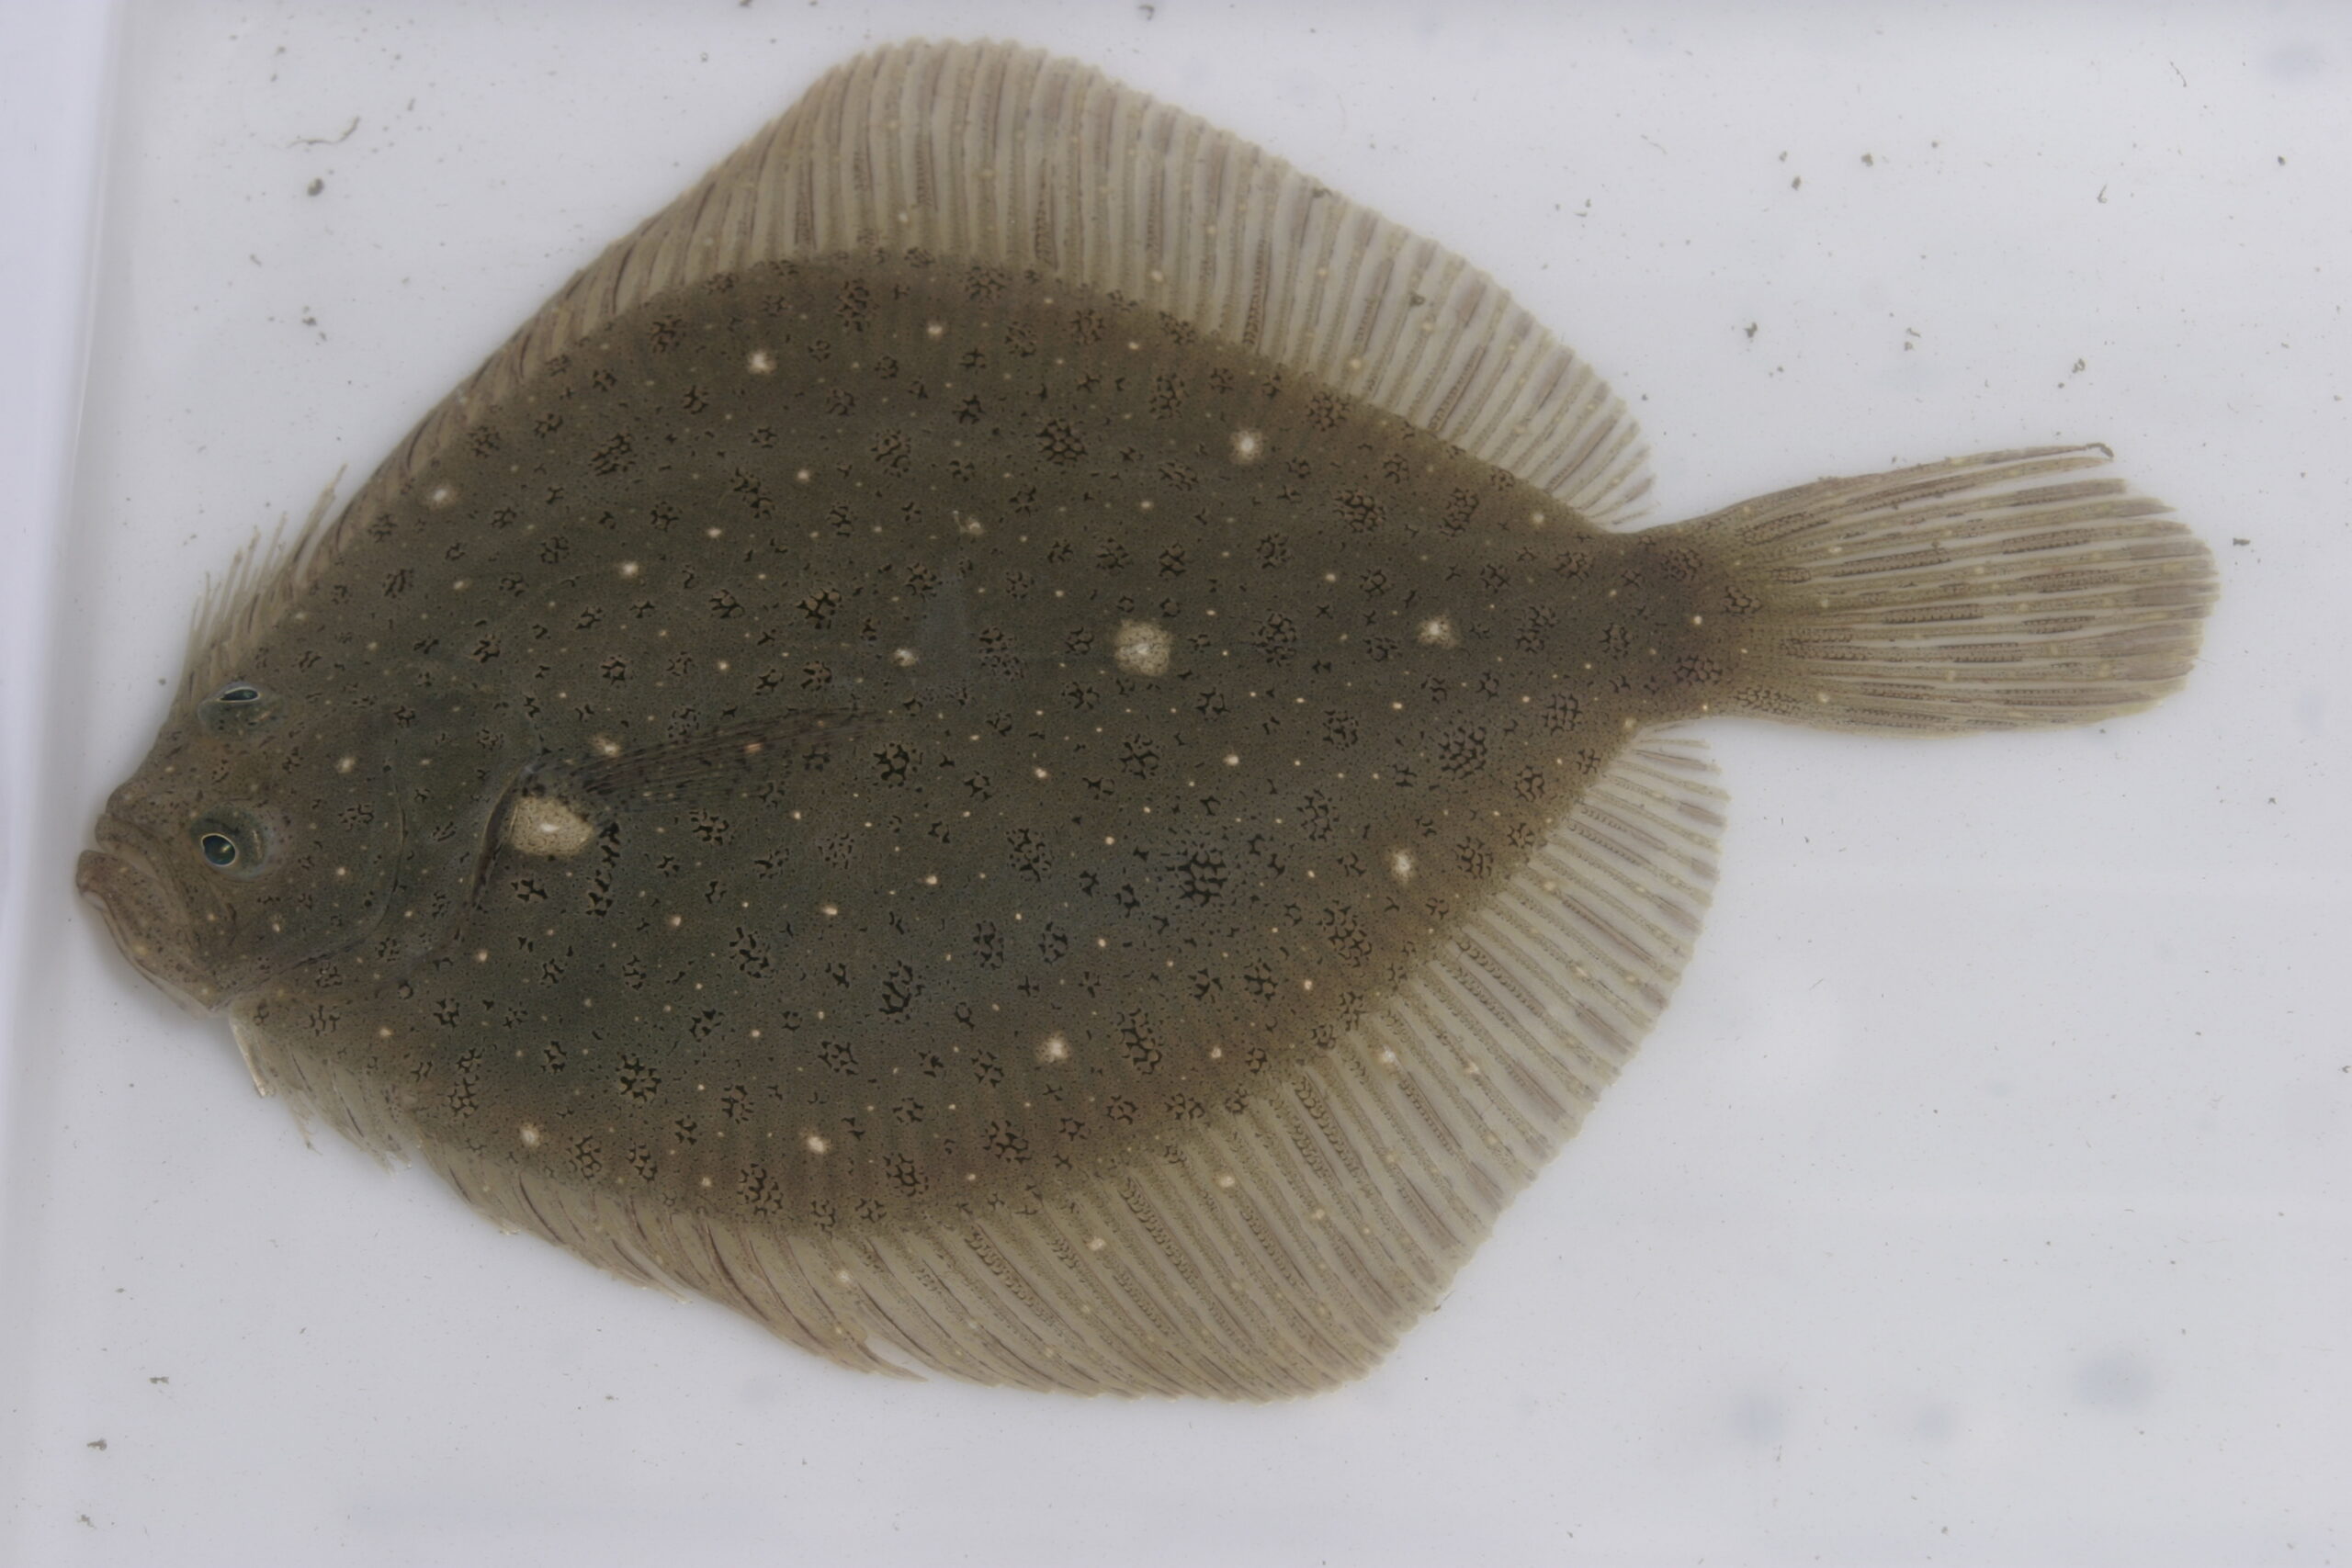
(1022,743)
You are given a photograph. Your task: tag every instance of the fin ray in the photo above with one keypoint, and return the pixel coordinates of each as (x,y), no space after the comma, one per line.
(1997,592)
(714,761)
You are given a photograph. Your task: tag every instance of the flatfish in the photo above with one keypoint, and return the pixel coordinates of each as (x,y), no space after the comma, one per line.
(1024,744)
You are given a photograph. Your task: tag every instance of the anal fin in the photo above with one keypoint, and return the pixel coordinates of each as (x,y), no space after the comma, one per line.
(1272,1251)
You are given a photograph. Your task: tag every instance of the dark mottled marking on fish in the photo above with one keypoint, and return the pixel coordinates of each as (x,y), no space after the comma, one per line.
(1025,745)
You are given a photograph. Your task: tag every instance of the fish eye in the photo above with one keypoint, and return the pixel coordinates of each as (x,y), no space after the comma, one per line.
(239,708)
(230,841)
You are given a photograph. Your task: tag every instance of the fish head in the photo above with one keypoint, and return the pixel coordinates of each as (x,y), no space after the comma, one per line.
(254,837)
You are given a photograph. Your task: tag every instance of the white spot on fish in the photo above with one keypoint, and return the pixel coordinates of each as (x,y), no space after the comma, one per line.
(816,1143)
(1247,446)
(1400,865)
(1438,632)
(541,825)
(1142,648)
(761,363)
(904,658)
(440,495)
(1055,1049)
(530,1135)
(628,568)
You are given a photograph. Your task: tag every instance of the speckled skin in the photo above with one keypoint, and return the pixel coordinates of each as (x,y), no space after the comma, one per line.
(1006,726)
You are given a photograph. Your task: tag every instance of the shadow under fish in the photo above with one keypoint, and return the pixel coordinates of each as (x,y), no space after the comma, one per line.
(1027,746)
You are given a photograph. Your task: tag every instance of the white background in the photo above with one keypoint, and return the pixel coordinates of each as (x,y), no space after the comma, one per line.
(1982,1197)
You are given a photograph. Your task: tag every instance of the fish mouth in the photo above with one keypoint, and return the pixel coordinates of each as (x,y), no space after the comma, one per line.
(144,910)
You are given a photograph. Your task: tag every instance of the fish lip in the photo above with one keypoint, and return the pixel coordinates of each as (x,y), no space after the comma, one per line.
(119,877)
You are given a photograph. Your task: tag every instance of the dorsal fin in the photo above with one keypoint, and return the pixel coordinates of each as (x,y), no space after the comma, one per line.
(1010,157)
(1004,156)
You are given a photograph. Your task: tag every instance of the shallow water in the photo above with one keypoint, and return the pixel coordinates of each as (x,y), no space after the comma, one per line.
(1980,1196)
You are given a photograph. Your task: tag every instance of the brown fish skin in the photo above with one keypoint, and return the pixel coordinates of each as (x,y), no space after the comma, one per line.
(833,785)
(1361,709)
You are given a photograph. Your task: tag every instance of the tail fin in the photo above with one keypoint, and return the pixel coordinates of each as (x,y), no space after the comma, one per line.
(1997,592)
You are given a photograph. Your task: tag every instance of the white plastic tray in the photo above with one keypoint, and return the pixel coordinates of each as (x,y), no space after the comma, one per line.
(1982,1197)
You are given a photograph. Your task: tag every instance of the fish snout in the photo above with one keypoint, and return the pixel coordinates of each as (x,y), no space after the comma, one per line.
(149,922)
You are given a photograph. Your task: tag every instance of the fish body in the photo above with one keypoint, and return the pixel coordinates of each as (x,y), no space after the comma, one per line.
(1023,745)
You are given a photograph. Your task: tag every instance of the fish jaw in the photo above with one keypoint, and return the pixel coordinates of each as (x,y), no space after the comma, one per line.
(149,920)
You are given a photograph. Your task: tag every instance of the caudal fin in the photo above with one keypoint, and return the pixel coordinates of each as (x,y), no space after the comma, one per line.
(1997,592)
